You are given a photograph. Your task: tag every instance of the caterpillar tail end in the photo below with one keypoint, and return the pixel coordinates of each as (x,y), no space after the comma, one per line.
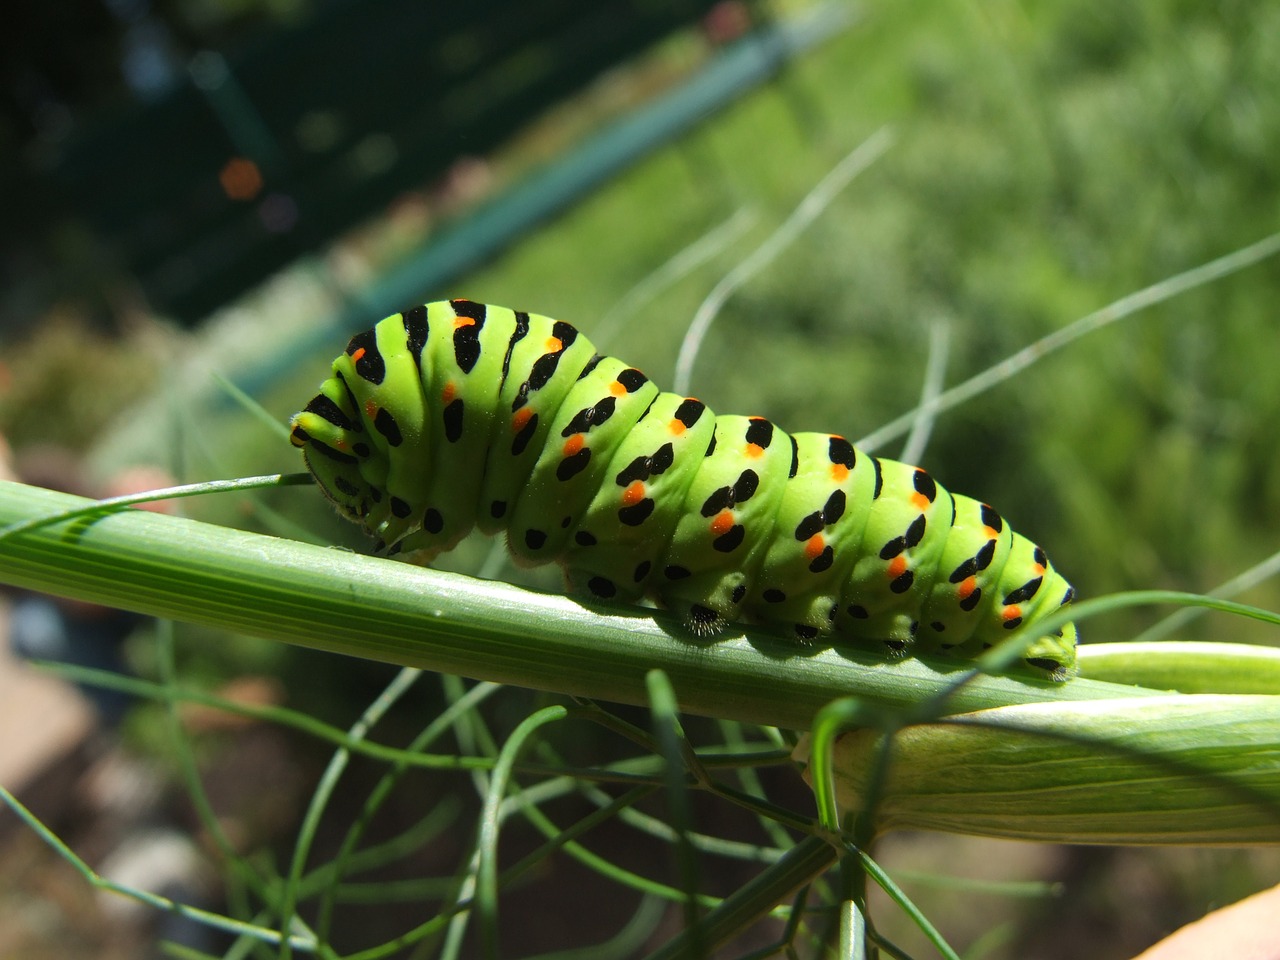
(1054,656)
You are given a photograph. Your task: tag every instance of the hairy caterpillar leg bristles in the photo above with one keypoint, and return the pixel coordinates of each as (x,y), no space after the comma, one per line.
(456,415)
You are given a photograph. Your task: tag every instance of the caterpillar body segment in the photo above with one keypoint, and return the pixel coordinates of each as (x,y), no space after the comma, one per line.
(652,466)
(456,414)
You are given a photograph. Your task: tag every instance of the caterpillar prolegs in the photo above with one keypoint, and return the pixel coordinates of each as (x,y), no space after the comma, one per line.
(455,415)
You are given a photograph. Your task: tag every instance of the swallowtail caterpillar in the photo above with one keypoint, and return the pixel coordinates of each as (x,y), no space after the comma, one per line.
(455,415)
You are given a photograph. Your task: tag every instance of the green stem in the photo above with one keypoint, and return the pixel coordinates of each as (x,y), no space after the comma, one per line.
(808,859)
(337,601)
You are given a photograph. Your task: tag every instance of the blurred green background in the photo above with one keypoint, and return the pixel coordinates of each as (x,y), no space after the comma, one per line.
(1047,162)
(1049,159)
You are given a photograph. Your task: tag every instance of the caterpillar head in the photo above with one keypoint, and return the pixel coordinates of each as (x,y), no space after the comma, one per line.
(346,465)
(332,459)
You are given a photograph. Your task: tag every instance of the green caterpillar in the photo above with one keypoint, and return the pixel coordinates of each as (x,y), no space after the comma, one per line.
(456,414)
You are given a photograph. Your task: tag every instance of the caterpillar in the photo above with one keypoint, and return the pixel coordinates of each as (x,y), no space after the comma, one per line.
(456,415)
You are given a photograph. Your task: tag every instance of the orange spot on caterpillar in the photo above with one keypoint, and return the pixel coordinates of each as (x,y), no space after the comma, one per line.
(753,450)
(920,501)
(448,393)
(675,426)
(722,523)
(839,472)
(814,546)
(370,409)
(460,322)
(572,445)
(360,352)
(617,389)
(991,532)
(897,567)
(633,494)
(1039,568)
(966,587)
(1011,612)
(520,419)
(554,345)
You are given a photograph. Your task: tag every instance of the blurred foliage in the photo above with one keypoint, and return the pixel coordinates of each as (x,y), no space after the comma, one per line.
(63,383)
(1050,159)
